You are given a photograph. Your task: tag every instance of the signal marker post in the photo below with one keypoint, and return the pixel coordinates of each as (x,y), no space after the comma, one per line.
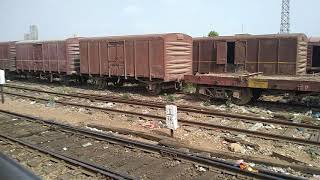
(2,82)
(171,118)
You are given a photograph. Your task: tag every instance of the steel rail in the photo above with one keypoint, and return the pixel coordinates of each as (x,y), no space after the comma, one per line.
(183,108)
(264,174)
(185,122)
(273,103)
(77,162)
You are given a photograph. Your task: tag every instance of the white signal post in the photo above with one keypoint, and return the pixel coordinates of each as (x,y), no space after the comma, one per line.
(2,82)
(171,118)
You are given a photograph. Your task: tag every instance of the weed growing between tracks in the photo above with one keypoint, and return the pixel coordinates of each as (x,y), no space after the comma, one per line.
(126,96)
(189,88)
(170,98)
(64,89)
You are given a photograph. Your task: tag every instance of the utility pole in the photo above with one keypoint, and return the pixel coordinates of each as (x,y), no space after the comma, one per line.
(285,17)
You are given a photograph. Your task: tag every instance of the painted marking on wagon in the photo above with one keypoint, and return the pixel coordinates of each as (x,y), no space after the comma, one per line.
(258,83)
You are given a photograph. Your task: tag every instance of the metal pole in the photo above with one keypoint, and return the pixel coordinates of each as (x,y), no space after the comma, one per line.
(2,96)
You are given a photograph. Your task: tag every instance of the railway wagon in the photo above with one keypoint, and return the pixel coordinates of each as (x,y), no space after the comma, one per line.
(313,55)
(157,61)
(7,56)
(243,67)
(268,54)
(49,59)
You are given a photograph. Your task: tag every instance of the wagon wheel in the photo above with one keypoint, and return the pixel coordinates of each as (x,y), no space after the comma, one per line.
(245,96)
(155,89)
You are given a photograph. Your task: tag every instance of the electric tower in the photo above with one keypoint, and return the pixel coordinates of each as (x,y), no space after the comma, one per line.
(285,17)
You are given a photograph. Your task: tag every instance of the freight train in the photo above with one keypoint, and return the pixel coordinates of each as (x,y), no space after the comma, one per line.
(158,61)
(239,67)
(243,67)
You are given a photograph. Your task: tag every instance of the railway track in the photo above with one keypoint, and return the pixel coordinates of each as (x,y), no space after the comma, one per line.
(182,108)
(314,139)
(277,104)
(119,155)
(51,165)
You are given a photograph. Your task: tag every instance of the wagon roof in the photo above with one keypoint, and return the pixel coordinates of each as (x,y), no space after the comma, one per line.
(249,36)
(44,41)
(314,39)
(8,42)
(133,36)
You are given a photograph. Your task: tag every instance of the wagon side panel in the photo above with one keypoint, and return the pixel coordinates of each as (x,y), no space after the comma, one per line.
(301,53)
(4,56)
(37,57)
(156,58)
(287,56)
(252,55)
(268,58)
(195,56)
(72,49)
(206,56)
(141,54)
(24,57)
(178,57)
(93,57)
(84,64)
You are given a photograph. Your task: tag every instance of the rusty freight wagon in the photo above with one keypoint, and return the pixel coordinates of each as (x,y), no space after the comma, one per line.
(50,59)
(314,55)
(268,54)
(243,67)
(7,56)
(157,61)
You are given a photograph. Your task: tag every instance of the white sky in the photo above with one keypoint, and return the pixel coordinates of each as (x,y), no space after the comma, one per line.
(57,19)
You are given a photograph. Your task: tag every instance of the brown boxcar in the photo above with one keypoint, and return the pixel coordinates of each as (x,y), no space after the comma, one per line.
(7,55)
(49,57)
(314,55)
(158,61)
(269,54)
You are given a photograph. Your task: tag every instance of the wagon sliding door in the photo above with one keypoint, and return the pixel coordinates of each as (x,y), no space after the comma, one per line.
(240,52)
(240,55)
(221,47)
(116,58)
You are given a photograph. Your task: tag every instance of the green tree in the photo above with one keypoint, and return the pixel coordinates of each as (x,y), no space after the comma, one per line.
(213,34)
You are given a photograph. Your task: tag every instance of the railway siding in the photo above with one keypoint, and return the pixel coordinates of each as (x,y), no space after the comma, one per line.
(122,157)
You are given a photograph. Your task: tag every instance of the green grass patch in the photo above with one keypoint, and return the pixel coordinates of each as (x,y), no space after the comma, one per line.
(189,88)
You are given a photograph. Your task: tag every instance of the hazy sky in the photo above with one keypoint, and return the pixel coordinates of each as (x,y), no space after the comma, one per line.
(58,19)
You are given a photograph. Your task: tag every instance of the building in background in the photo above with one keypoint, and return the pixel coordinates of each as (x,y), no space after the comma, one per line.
(26,36)
(32,34)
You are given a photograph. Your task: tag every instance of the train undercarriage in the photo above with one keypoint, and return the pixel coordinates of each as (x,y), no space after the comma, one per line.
(153,87)
(243,96)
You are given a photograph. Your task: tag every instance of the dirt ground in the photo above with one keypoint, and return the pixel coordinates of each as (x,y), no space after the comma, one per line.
(209,140)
